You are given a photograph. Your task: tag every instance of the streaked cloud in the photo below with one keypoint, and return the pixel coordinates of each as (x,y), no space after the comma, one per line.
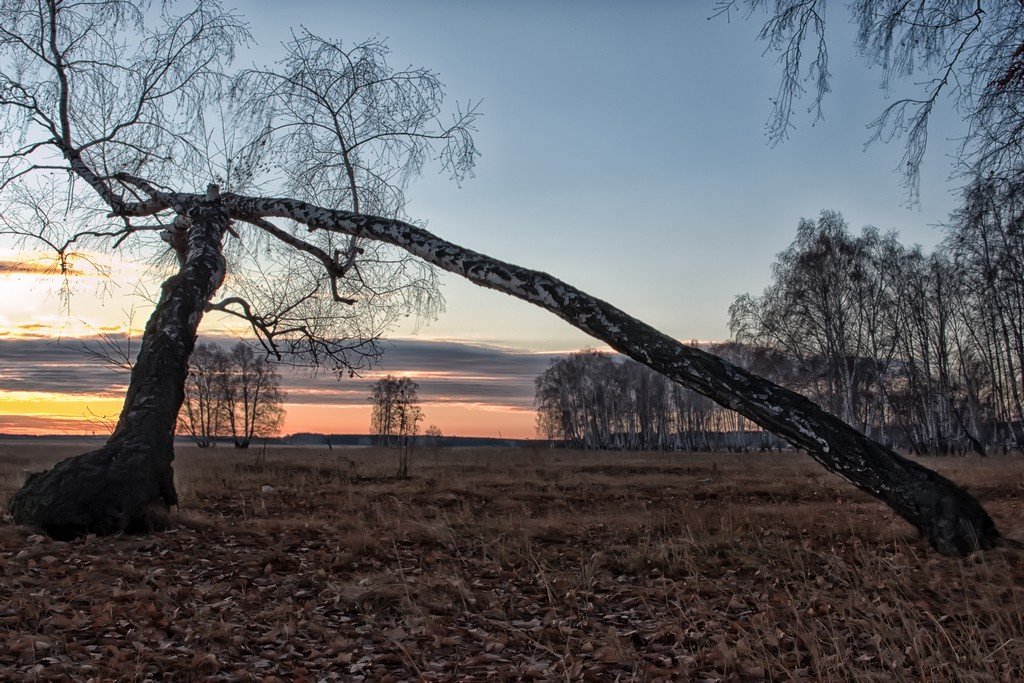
(8,267)
(32,364)
(448,372)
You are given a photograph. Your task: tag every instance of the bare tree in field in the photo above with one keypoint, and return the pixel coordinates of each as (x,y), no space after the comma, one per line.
(202,411)
(235,392)
(435,437)
(118,100)
(396,416)
(122,111)
(252,396)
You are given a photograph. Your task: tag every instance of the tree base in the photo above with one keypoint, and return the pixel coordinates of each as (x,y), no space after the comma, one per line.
(113,489)
(957,525)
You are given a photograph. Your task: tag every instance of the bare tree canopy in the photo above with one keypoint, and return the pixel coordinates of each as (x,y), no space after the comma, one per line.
(970,52)
(234,393)
(396,416)
(93,90)
(923,350)
(143,141)
(252,396)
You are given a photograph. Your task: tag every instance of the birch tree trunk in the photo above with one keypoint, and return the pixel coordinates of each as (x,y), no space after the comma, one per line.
(950,519)
(128,483)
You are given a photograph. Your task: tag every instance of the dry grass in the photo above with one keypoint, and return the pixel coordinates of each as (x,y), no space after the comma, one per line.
(514,564)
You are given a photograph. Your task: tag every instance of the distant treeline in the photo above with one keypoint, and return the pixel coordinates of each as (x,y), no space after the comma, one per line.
(422,440)
(597,400)
(922,351)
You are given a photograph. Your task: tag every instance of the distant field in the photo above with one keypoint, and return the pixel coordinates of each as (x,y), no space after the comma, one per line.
(513,564)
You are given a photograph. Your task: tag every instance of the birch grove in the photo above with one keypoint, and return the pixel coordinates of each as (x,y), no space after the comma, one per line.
(923,351)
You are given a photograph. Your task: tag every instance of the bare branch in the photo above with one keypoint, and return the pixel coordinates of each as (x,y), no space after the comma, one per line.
(335,267)
(970,52)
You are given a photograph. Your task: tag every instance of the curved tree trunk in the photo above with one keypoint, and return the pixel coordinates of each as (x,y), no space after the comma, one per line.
(128,483)
(951,520)
(115,487)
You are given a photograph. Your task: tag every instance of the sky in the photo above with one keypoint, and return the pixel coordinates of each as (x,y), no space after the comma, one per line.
(623,150)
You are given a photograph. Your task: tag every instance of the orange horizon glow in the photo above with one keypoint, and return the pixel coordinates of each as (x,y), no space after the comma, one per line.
(105,308)
(38,413)
(453,419)
(52,413)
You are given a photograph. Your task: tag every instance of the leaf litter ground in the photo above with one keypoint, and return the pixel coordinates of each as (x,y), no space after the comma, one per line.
(513,565)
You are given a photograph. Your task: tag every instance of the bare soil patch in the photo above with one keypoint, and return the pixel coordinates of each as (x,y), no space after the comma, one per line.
(313,564)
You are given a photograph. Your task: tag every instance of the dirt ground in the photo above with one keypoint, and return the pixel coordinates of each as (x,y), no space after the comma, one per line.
(314,564)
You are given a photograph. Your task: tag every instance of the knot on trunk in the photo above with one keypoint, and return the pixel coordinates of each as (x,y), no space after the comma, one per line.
(177,237)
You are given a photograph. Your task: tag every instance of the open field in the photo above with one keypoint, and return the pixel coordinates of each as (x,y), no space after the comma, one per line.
(513,564)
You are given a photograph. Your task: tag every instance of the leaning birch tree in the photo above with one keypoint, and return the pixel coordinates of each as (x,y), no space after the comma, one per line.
(339,134)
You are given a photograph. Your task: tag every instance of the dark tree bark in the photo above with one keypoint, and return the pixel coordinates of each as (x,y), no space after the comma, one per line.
(128,483)
(950,519)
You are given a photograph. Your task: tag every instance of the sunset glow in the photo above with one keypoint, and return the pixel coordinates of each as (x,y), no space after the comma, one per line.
(467,387)
(56,413)
(453,419)
(50,385)
(709,203)
(35,412)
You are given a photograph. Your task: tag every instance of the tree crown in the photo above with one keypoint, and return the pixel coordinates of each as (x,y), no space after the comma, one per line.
(115,111)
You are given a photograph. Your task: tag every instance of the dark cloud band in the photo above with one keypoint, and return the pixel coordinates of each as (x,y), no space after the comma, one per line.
(447,372)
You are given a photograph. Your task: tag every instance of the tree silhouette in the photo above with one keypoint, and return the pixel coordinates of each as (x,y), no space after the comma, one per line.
(396,416)
(234,392)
